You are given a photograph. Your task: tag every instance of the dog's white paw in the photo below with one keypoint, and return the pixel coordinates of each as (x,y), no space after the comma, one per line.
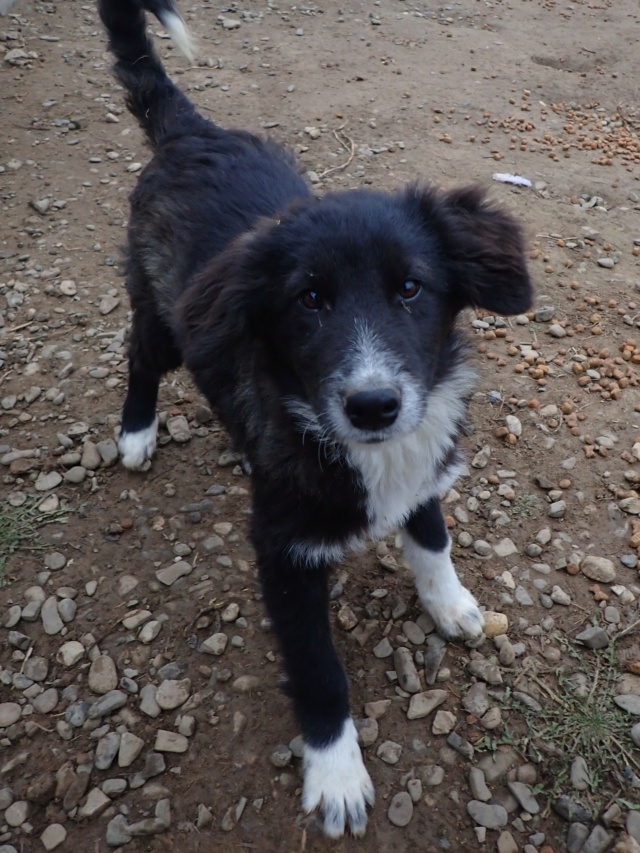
(455,612)
(136,448)
(337,783)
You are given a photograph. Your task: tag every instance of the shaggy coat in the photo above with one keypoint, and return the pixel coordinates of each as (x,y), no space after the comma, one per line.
(323,333)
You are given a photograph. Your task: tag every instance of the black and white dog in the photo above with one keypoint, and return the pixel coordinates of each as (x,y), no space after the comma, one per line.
(323,333)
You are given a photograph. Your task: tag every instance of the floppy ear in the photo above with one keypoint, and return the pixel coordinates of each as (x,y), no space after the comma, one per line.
(485,252)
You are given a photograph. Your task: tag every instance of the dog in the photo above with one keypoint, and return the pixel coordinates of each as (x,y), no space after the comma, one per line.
(323,333)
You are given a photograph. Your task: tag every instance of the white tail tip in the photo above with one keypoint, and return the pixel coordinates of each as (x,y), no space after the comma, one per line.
(180,35)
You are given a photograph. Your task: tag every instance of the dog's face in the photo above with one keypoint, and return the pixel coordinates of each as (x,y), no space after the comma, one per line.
(353,299)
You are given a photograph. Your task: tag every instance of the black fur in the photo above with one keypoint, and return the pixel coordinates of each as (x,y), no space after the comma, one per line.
(227,251)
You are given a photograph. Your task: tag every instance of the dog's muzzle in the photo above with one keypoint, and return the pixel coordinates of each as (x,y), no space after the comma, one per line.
(373,410)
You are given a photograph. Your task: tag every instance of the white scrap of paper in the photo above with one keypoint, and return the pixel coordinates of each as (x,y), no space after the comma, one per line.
(506,178)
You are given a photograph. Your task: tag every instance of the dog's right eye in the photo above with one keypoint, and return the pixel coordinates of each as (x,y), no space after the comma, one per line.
(311,300)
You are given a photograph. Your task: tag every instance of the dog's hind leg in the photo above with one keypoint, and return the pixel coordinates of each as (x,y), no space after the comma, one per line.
(427,548)
(152,352)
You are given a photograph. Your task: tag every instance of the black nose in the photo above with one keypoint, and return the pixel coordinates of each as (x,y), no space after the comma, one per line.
(373,410)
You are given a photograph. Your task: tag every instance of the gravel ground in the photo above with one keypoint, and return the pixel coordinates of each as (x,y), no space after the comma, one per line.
(139,700)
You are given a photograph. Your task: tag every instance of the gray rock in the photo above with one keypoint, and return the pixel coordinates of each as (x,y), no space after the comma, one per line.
(559,596)
(478,785)
(544,313)
(368,730)
(118,831)
(389,752)
(383,649)
(281,756)
(434,655)
(400,809)
(167,741)
(106,750)
(215,644)
(523,597)
(422,704)
(10,713)
(557,509)
(635,734)
(498,764)
(524,796)
(51,621)
(431,775)
(148,704)
(46,701)
(628,703)
(413,633)
(67,609)
(571,811)
(593,638)
(107,704)
(103,676)
(598,841)
(580,778)
(46,482)
(598,569)
(76,713)
(130,748)
(476,700)
(460,745)
(174,572)
(17,813)
(576,837)
(172,694)
(108,451)
(485,670)
(489,816)
(53,836)
(633,825)
(406,670)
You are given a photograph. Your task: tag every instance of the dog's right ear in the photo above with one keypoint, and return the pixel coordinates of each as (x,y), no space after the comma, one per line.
(218,313)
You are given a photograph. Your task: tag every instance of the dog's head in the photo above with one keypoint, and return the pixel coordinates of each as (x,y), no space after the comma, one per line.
(349,303)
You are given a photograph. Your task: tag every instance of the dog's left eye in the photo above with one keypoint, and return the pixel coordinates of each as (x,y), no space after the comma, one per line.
(409,290)
(311,300)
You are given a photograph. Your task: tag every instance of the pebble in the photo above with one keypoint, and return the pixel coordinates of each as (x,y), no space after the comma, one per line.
(507,843)
(383,649)
(51,621)
(53,836)
(17,813)
(70,653)
(628,703)
(46,482)
(97,801)
(281,756)
(46,701)
(148,704)
(149,631)
(485,670)
(215,644)
(406,670)
(130,748)
(172,694)
(598,841)
(389,752)
(498,764)
(170,742)
(413,633)
(422,704)
(478,785)
(178,429)
(476,699)
(524,796)
(10,713)
(557,331)
(571,811)
(103,676)
(400,809)
(557,509)
(576,837)
(505,548)
(489,816)
(107,704)
(118,831)
(594,638)
(482,548)
(174,572)
(55,561)
(598,569)
(559,596)
(107,749)
(522,596)
(443,723)
(635,734)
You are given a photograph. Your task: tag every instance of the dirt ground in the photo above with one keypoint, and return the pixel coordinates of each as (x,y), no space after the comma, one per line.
(376,94)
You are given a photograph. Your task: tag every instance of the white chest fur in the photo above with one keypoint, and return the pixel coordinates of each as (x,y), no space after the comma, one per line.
(400,475)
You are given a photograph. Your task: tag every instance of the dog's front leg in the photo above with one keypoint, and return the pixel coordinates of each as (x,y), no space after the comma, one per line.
(335,779)
(427,549)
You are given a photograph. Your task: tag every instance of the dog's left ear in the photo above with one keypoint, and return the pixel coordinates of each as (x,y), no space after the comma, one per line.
(485,251)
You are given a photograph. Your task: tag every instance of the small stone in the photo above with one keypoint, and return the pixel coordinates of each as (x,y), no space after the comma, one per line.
(172,694)
(130,748)
(389,752)
(70,653)
(368,730)
(580,778)
(406,670)
(522,596)
(594,638)
(174,572)
(53,836)
(524,796)
(485,670)
(431,775)
(215,644)
(107,704)
(103,675)
(507,843)
(422,704)
(482,548)
(505,548)
(413,633)
(97,801)
(149,631)
(576,837)
(544,313)
(598,569)
(478,785)
(598,841)
(383,649)
(107,749)
(55,561)
(460,745)
(170,742)
(17,813)
(45,482)
(400,809)
(559,596)
(51,621)
(281,756)
(443,723)
(414,787)
(489,816)
(492,719)
(118,831)
(10,713)
(46,701)
(557,509)
(148,704)
(628,703)
(514,425)
(635,734)
(498,764)
(178,429)
(557,331)
(476,699)
(377,709)
(607,263)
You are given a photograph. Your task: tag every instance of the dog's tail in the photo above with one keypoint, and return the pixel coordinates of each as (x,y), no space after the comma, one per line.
(158,105)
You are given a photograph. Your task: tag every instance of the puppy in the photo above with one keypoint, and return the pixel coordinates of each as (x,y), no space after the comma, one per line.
(323,333)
